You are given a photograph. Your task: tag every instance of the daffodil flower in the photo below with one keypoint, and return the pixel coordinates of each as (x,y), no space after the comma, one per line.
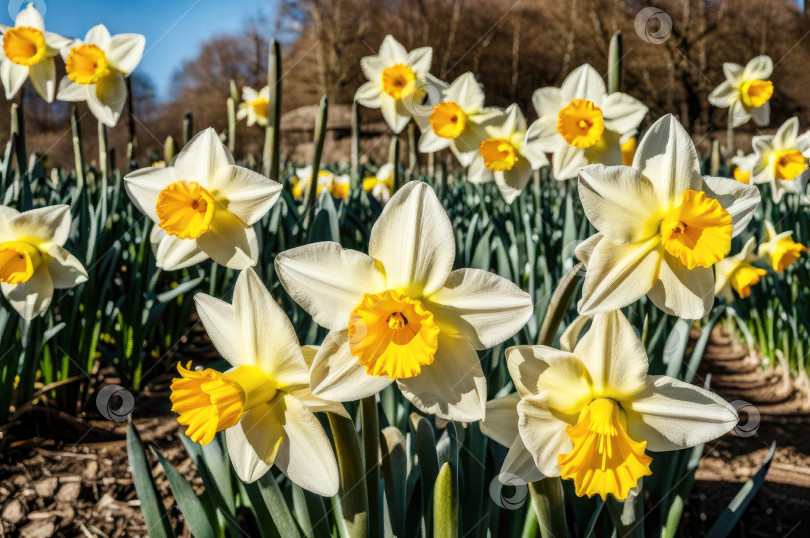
(743,164)
(592,415)
(779,249)
(746,92)
(96,68)
(32,259)
(661,226)
(457,121)
(507,156)
(202,206)
(398,81)
(28,52)
(263,403)
(781,159)
(581,124)
(255,106)
(738,273)
(380,186)
(337,186)
(401,313)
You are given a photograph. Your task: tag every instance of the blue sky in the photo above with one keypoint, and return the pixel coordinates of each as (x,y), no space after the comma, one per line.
(174,29)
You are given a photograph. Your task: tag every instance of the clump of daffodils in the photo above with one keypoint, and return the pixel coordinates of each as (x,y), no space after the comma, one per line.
(96,68)
(581,124)
(779,249)
(592,415)
(263,402)
(401,314)
(255,106)
(507,155)
(381,184)
(203,206)
(738,273)
(336,185)
(746,92)
(28,54)
(33,260)
(661,226)
(781,160)
(398,82)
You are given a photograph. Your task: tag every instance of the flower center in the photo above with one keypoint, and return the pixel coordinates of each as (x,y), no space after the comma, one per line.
(185,209)
(755,93)
(785,253)
(209,401)
(788,164)
(741,176)
(392,335)
(448,120)
(24,45)
(698,231)
(580,123)
(604,458)
(744,277)
(498,154)
(398,81)
(260,106)
(87,64)
(18,261)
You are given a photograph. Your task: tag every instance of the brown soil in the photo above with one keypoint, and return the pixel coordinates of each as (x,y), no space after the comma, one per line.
(58,486)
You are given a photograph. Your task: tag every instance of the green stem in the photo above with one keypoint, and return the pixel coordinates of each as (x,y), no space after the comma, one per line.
(371,449)
(272,138)
(353,496)
(312,188)
(548,502)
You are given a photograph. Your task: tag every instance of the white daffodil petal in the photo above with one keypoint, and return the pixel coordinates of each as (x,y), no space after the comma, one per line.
(584,249)
(103,113)
(543,434)
(561,376)
(723,95)
(65,269)
(30,17)
(201,159)
(500,422)
(305,454)
(738,114)
(395,113)
(466,92)
(70,91)
(392,51)
(739,199)
(98,35)
(318,405)
(414,240)
(548,102)
(666,155)
(276,352)
(486,307)
(762,115)
(420,60)
(785,137)
(614,356)
(543,132)
(760,68)
(254,443)
(619,275)
(583,83)
(32,297)
(229,241)
(622,113)
(478,173)
(571,334)
(620,202)
(337,375)
(246,194)
(173,253)
(453,387)
(512,182)
(429,142)
(124,51)
(144,185)
(567,162)
(328,281)
(43,78)
(732,71)
(682,292)
(671,415)
(519,466)
(369,95)
(49,224)
(218,319)
(13,77)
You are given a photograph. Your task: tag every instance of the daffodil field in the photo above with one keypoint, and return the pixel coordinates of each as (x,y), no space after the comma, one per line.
(510,346)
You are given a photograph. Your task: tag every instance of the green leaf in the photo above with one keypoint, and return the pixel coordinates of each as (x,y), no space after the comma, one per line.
(353,499)
(199,521)
(445,503)
(154,513)
(395,476)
